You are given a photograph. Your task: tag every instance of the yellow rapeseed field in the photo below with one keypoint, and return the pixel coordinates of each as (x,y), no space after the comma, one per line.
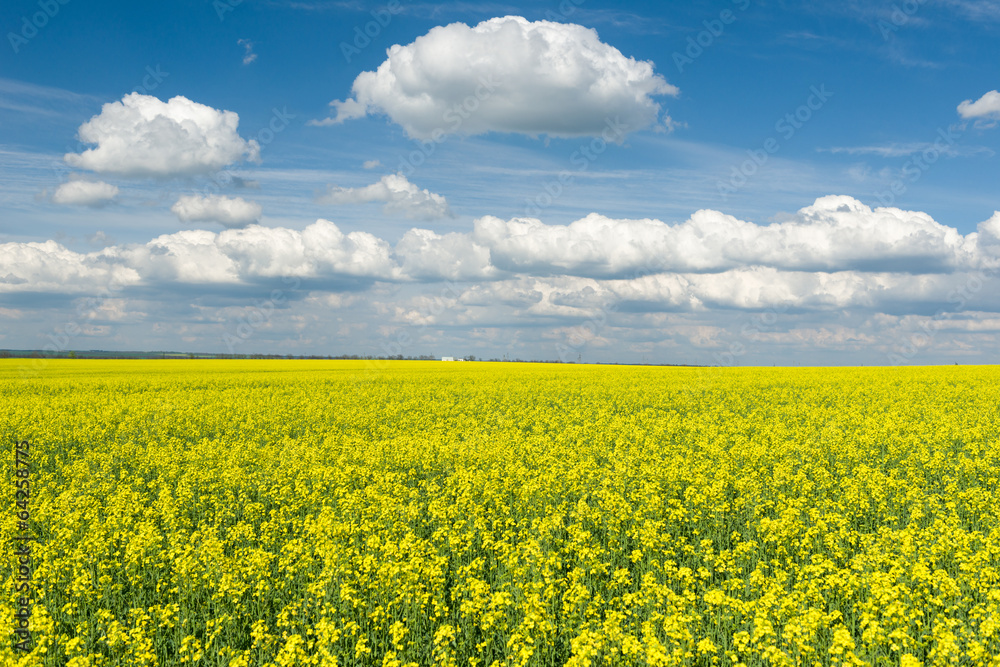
(250,513)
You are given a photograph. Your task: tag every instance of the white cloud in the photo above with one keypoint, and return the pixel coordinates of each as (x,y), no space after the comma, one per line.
(233,256)
(904,149)
(986,107)
(398,195)
(508,75)
(227,258)
(859,173)
(977,10)
(249,56)
(231,212)
(84,193)
(143,136)
(189,256)
(989,231)
(424,254)
(51,267)
(835,255)
(835,234)
(371,164)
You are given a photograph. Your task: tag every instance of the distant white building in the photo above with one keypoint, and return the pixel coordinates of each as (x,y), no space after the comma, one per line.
(447,358)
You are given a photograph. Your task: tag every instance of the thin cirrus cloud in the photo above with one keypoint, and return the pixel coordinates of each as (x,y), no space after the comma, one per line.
(248,55)
(508,75)
(904,149)
(80,192)
(397,193)
(228,211)
(142,136)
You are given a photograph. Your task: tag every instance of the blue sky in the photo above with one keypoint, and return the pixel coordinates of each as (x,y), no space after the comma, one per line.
(732,182)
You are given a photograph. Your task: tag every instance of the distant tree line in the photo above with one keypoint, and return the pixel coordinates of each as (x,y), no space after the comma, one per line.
(105,354)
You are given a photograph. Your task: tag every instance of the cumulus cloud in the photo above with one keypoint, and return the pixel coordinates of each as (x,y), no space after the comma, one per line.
(143,136)
(989,231)
(836,233)
(508,75)
(321,251)
(985,108)
(398,195)
(231,212)
(51,267)
(424,254)
(834,255)
(80,192)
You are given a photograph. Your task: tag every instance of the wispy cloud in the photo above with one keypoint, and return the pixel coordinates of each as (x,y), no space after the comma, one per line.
(893,150)
(634,23)
(249,56)
(978,10)
(318,5)
(29,98)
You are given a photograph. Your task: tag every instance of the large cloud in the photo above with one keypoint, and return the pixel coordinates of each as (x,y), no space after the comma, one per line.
(833,255)
(231,212)
(398,195)
(144,136)
(989,232)
(508,75)
(836,233)
(987,106)
(50,267)
(231,257)
(425,255)
(84,193)
(320,251)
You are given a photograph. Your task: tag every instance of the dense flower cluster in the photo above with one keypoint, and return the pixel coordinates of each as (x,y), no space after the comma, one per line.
(314,513)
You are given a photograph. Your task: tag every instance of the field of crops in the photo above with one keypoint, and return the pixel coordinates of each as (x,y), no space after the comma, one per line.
(317,513)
